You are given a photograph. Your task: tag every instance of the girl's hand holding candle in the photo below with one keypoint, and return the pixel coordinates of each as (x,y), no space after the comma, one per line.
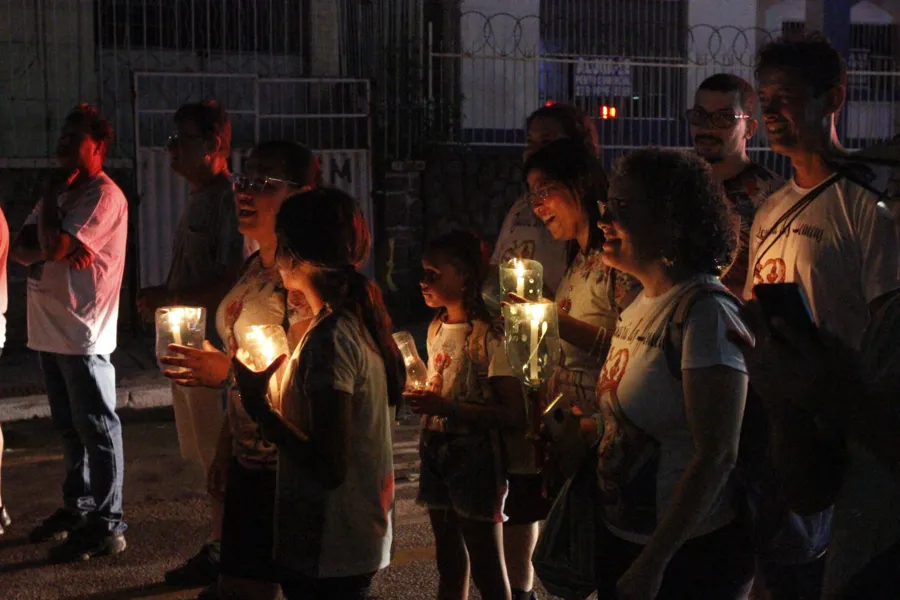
(254,385)
(206,368)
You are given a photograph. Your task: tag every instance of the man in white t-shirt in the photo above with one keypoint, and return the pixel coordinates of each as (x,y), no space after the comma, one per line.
(73,244)
(843,246)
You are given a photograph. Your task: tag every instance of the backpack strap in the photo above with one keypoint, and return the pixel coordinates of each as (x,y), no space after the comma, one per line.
(674,339)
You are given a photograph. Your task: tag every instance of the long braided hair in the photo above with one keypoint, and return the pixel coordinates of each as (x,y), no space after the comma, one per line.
(325,228)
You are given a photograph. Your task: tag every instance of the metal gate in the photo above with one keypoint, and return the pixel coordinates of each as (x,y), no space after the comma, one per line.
(329,115)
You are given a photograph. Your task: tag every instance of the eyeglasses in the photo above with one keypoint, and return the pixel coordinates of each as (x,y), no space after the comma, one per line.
(243,183)
(541,195)
(612,209)
(177,139)
(720,119)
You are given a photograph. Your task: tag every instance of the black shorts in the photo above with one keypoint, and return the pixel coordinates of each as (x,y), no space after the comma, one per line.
(248,524)
(525,503)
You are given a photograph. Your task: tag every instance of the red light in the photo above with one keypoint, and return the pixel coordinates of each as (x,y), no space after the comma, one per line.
(549,103)
(608,112)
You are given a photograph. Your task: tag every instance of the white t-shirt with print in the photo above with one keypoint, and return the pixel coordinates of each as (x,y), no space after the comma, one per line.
(592,292)
(523,235)
(843,249)
(646,444)
(346,531)
(76,312)
(450,372)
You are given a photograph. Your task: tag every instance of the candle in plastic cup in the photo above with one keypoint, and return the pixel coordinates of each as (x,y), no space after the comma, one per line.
(263,344)
(523,277)
(182,325)
(532,340)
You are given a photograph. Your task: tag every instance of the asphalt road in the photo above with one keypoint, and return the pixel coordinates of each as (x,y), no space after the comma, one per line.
(165,508)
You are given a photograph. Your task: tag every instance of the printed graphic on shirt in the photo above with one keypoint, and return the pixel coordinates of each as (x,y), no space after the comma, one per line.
(627,458)
(746,192)
(524,236)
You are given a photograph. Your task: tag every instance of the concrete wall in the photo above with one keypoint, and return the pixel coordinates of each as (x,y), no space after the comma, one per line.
(41,81)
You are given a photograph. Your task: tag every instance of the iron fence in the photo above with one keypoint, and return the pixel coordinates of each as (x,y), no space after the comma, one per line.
(483,83)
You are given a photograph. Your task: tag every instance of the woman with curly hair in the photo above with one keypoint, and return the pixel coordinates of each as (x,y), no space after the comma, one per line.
(668,525)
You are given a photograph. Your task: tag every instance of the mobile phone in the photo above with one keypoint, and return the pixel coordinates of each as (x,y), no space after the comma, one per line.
(787,302)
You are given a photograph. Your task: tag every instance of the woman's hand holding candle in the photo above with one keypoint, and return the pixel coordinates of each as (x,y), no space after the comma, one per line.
(205,368)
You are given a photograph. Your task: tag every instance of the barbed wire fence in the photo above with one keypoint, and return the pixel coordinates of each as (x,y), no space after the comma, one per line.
(635,81)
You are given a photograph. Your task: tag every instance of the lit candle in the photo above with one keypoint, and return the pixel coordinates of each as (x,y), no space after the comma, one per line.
(520,279)
(537,319)
(176,318)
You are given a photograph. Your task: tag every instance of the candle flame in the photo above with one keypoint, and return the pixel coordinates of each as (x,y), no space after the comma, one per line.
(536,311)
(520,268)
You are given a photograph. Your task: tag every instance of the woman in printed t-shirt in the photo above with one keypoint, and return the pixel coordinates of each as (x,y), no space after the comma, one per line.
(243,472)
(668,523)
(335,494)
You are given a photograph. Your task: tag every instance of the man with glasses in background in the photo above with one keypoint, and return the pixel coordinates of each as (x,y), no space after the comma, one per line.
(722,122)
(207,258)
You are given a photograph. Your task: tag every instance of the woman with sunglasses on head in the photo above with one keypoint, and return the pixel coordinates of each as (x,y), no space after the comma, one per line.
(333,430)
(243,472)
(670,411)
(566,183)
(524,236)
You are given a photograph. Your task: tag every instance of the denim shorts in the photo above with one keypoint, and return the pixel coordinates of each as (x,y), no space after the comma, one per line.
(463,473)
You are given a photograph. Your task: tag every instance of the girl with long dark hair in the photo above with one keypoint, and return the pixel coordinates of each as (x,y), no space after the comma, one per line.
(334,502)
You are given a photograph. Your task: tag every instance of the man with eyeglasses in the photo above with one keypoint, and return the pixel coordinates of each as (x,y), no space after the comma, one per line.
(207,258)
(722,122)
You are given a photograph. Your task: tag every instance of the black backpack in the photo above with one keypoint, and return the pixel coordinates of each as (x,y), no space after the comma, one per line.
(779,535)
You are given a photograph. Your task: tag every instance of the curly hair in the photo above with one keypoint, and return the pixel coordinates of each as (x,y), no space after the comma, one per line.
(807,55)
(89,117)
(572,120)
(675,210)
(468,254)
(566,162)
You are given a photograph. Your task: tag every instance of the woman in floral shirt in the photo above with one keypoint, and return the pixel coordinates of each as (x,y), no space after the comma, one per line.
(243,472)
(566,183)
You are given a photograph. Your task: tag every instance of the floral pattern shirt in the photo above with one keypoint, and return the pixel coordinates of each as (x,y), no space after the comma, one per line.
(258,298)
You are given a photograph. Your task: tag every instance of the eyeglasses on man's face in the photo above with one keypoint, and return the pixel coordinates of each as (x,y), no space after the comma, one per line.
(720,119)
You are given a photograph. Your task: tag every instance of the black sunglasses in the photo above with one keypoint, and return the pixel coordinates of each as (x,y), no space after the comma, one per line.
(720,119)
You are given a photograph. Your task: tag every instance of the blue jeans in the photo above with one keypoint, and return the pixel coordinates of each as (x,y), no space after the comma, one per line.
(82,395)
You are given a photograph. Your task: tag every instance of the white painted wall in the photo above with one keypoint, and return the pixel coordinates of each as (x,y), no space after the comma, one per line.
(499,94)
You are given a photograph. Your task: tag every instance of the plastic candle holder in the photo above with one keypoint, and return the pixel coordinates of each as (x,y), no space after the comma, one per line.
(416,371)
(522,277)
(262,344)
(183,325)
(532,340)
